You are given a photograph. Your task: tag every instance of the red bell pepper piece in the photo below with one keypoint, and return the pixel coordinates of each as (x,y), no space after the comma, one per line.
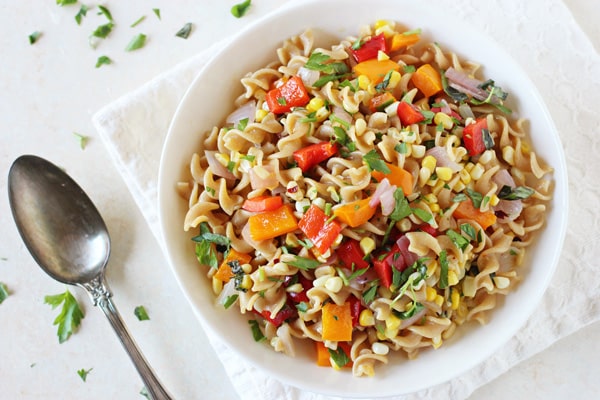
(384,272)
(291,94)
(473,136)
(409,257)
(315,226)
(309,156)
(409,113)
(429,229)
(355,309)
(351,255)
(299,296)
(370,48)
(395,258)
(263,203)
(284,314)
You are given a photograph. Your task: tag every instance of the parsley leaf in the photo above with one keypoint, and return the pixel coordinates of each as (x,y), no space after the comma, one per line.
(185,31)
(3,292)
(375,163)
(469,230)
(81,13)
(239,10)
(459,240)
(156,12)
(83,373)
(104,11)
(443,283)
(423,215)
(256,332)
(242,124)
(70,315)
(302,306)
(402,208)
(303,263)
(103,31)
(82,139)
(339,357)
(230,300)
(141,314)
(415,308)
(137,42)
(205,245)
(138,21)
(475,197)
(517,193)
(34,37)
(65,2)
(369,294)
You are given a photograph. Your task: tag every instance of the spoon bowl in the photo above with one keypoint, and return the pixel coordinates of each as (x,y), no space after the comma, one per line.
(67,237)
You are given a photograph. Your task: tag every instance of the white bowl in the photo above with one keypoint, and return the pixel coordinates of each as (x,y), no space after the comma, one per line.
(209,100)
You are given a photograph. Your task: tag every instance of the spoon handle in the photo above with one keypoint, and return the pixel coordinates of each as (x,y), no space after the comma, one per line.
(101,297)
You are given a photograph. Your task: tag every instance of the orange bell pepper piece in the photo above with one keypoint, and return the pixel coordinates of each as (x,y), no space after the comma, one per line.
(427,79)
(400,40)
(376,69)
(291,94)
(263,203)
(337,322)
(355,213)
(398,177)
(466,210)
(270,224)
(224,272)
(315,226)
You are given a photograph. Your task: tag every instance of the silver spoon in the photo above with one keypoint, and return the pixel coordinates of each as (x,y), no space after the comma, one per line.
(67,237)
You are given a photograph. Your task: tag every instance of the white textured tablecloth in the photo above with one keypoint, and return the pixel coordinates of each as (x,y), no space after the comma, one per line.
(562,62)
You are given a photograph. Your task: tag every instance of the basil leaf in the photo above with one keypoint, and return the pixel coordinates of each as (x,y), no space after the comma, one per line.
(375,163)
(70,315)
(469,230)
(239,10)
(82,13)
(34,37)
(103,30)
(137,42)
(517,193)
(475,197)
(156,12)
(65,2)
(3,292)
(303,263)
(423,215)
(401,208)
(104,11)
(488,141)
(458,239)
(414,309)
(339,357)
(83,373)
(443,283)
(256,332)
(185,31)
(103,60)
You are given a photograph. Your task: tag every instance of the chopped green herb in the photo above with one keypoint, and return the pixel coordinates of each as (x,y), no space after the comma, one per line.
(239,10)
(81,13)
(140,313)
(409,69)
(70,315)
(317,62)
(144,392)
(302,306)
(459,240)
(103,31)
(339,357)
(83,373)
(310,117)
(469,230)
(319,83)
(401,148)
(415,308)
(242,124)
(104,11)
(423,215)
(248,157)
(352,276)
(459,197)
(156,12)
(185,31)
(230,300)
(3,292)
(231,166)
(103,60)
(138,21)
(137,42)
(34,37)
(256,332)
(443,283)
(475,197)
(517,193)
(335,118)
(307,244)
(303,263)
(385,82)
(82,140)
(375,163)
(205,245)
(65,2)
(369,294)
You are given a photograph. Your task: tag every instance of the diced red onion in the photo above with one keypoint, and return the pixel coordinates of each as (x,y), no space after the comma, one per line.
(247,110)
(464,83)
(442,158)
(308,76)
(384,195)
(511,208)
(218,168)
(445,107)
(409,257)
(465,111)
(342,114)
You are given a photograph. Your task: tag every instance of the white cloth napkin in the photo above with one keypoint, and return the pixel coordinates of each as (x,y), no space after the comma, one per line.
(563,64)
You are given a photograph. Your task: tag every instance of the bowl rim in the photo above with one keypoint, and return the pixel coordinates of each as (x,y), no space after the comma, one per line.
(165,198)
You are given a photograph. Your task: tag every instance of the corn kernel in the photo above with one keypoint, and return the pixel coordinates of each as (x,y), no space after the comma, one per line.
(501,282)
(452,278)
(246,282)
(380,348)
(247,268)
(302,204)
(372,88)
(394,80)
(392,323)
(322,114)
(217,285)
(381,335)
(381,23)
(366,318)
(429,162)
(260,114)
(468,287)
(430,293)
(455,299)
(424,175)
(465,176)
(295,288)
(439,300)
(486,156)
(430,198)
(437,342)
(334,284)
(477,171)
(444,173)
(404,225)
(363,82)
(435,208)
(319,202)
(459,187)
(443,119)
(469,166)
(312,192)
(494,200)
(418,150)
(367,245)
(381,56)
(508,153)
(223,159)
(314,104)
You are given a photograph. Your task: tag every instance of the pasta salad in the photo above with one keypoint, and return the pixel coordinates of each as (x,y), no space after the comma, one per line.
(369,197)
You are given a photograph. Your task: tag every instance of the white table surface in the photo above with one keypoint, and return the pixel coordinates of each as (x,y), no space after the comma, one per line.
(50,90)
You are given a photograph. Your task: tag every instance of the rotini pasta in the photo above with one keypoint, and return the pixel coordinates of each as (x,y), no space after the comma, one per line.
(370,197)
